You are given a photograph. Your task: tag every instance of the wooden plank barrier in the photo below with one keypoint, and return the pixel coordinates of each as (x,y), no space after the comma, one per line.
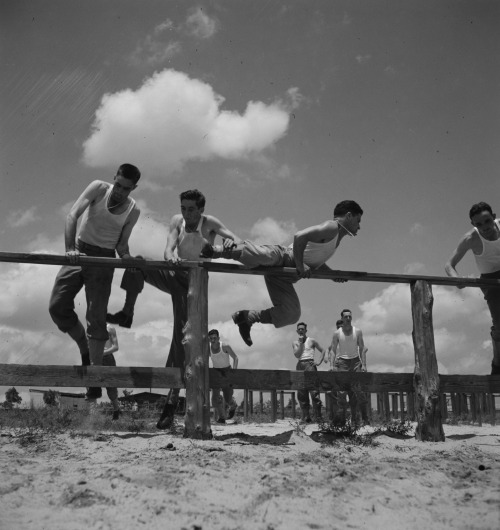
(424,388)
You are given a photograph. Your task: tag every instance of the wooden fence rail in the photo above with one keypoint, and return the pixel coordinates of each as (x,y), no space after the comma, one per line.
(427,385)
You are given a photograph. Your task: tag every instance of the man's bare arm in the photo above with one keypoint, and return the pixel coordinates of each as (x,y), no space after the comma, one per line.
(233,356)
(172,239)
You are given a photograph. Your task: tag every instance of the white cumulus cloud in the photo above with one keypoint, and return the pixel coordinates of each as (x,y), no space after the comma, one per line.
(173,118)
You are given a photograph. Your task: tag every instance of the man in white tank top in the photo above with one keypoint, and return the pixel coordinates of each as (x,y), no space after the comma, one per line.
(108,217)
(484,243)
(303,350)
(347,353)
(311,249)
(188,232)
(220,355)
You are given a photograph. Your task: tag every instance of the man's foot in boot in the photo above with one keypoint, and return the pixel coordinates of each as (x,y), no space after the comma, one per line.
(120,319)
(231,412)
(116,415)
(221,420)
(240,318)
(495,369)
(94,392)
(167,417)
(85,359)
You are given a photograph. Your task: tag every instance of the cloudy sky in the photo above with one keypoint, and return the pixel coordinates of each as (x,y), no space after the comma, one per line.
(276,111)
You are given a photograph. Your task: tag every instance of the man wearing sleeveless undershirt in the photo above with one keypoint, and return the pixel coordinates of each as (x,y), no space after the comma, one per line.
(347,354)
(108,217)
(188,232)
(311,249)
(484,243)
(220,355)
(303,350)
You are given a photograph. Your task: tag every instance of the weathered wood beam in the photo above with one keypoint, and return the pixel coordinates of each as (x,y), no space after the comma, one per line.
(426,377)
(74,376)
(56,259)
(197,419)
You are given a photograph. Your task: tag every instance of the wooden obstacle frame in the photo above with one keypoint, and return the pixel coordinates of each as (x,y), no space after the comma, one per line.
(425,386)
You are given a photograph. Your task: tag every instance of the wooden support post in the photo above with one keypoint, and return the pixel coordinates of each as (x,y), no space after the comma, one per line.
(387,406)
(245,404)
(444,407)
(250,402)
(401,406)
(197,419)
(493,409)
(426,376)
(294,406)
(410,400)
(380,406)
(479,402)
(274,403)
(261,401)
(395,412)
(282,404)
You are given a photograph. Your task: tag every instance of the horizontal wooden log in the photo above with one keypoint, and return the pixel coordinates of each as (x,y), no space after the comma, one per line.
(152,377)
(469,383)
(267,380)
(70,376)
(56,259)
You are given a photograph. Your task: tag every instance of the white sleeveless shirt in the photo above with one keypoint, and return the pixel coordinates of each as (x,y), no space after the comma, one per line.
(221,358)
(99,226)
(489,259)
(308,352)
(348,345)
(189,244)
(315,254)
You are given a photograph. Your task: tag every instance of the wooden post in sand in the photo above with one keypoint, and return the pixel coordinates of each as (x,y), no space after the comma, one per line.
(197,419)
(426,377)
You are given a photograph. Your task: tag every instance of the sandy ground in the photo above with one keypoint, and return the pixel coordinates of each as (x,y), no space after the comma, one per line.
(251,476)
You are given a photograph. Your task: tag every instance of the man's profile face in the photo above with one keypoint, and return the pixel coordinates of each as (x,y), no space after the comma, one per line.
(213,338)
(485,224)
(190,212)
(353,223)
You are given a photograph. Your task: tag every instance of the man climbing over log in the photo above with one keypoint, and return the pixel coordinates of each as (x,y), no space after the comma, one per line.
(188,233)
(108,217)
(484,243)
(310,250)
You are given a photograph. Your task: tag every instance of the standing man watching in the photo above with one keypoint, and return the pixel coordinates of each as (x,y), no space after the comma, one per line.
(484,243)
(347,350)
(188,233)
(108,217)
(220,354)
(303,350)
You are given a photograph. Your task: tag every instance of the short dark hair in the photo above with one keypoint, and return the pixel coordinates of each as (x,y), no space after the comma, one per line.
(345,311)
(193,195)
(339,323)
(478,208)
(344,207)
(129,172)
(302,324)
(213,332)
